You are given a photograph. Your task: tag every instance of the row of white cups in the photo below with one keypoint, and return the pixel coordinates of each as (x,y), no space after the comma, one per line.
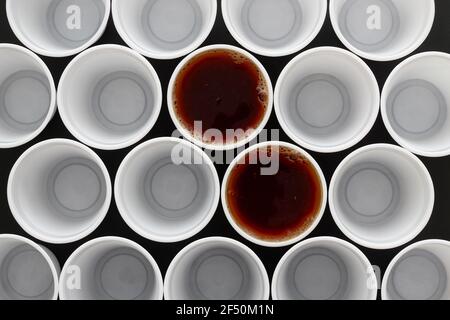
(374,29)
(59,191)
(219,268)
(98,81)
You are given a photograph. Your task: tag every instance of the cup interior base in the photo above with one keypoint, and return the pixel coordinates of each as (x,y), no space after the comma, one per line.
(172,25)
(271,23)
(420,275)
(371,193)
(173,190)
(173,187)
(75,188)
(320,104)
(24,101)
(122,102)
(369,25)
(220,275)
(416,109)
(122,274)
(318,274)
(26,274)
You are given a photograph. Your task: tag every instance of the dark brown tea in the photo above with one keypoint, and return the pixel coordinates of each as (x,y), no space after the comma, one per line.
(224,90)
(276,207)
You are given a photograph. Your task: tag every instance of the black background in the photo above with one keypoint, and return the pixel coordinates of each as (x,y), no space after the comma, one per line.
(113,225)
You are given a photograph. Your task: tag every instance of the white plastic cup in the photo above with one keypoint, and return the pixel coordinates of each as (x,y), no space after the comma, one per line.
(419,272)
(274,28)
(381,196)
(109,97)
(111,268)
(164,29)
(27,96)
(415,104)
(167,190)
(226,145)
(28,271)
(382,30)
(58,28)
(242,229)
(59,191)
(327,99)
(216,269)
(324,268)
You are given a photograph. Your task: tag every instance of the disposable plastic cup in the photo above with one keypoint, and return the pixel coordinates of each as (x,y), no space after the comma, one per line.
(247,232)
(167,190)
(109,97)
(415,104)
(198,137)
(59,191)
(382,30)
(216,269)
(327,99)
(381,196)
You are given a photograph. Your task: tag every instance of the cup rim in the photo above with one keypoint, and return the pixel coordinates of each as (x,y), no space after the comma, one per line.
(54,268)
(317,240)
(381,245)
(394,261)
(224,240)
(168,55)
(254,239)
(384,96)
(52,106)
(60,53)
(350,142)
(138,136)
(121,241)
(268,52)
(17,214)
(185,133)
(379,57)
(126,215)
